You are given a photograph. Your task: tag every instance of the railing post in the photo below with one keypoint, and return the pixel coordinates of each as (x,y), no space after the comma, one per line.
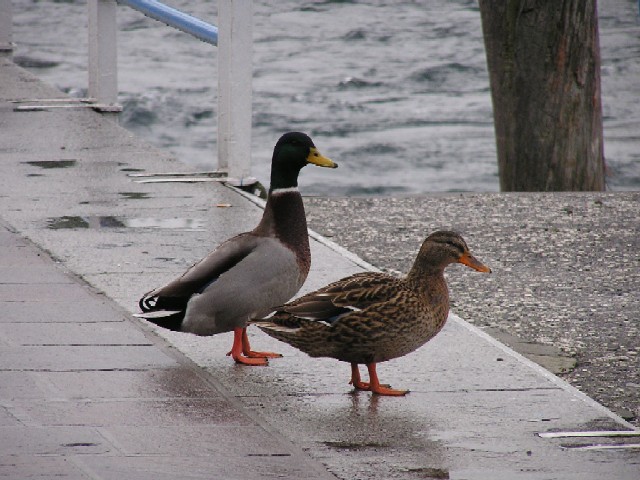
(103,69)
(235,46)
(6,26)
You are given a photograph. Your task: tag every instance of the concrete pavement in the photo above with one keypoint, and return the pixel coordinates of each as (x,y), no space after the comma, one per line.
(89,392)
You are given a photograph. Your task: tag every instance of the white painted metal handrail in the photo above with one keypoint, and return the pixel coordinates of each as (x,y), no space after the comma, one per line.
(235,44)
(103,53)
(175,18)
(6,27)
(235,72)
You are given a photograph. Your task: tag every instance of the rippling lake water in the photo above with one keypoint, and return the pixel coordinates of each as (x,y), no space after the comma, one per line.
(397,92)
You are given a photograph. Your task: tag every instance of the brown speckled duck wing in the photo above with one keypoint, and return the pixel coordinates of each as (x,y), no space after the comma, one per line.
(377,333)
(385,330)
(351,293)
(357,319)
(380,319)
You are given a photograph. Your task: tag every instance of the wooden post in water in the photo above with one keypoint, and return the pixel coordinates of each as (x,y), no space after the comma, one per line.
(235,47)
(544,68)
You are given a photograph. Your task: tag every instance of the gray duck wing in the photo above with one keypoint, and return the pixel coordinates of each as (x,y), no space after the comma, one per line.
(176,294)
(253,288)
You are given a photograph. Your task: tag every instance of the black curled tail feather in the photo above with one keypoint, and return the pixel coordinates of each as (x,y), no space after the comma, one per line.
(147,303)
(171,310)
(154,303)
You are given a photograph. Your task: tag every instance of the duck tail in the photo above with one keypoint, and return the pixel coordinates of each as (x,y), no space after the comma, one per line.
(165,312)
(300,333)
(279,332)
(147,302)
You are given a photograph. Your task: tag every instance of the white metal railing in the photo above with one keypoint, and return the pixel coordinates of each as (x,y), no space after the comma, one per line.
(6,20)
(103,54)
(235,45)
(175,18)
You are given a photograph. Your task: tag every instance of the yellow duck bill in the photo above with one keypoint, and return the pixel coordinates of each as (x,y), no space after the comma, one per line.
(317,159)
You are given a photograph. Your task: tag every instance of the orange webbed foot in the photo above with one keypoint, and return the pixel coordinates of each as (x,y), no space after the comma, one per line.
(252,354)
(374,386)
(356,381)
(242,354)
(360,385)
(246,348)
(366,386)
(253,362)
(390,392)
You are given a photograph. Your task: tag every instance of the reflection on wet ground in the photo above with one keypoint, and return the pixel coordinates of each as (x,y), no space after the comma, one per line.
(108,221)
(52,163)
(134,195)
(373,431)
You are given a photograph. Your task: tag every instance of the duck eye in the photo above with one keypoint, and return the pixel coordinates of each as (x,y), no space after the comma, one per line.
(454,245)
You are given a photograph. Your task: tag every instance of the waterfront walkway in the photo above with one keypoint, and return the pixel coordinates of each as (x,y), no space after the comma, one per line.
(86,391)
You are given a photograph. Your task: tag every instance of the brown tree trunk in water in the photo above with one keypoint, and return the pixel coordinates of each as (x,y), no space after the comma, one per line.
(544,67)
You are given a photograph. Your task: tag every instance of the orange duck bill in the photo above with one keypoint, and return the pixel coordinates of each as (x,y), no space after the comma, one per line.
(472,262)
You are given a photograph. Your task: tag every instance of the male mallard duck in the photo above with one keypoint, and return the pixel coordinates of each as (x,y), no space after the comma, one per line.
(252,273)
(373,317)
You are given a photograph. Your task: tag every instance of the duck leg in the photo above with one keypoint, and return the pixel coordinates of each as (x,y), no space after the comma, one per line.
(360,385)
(374,384)
(356,381)
(376,387)
(246,348)
(237,350)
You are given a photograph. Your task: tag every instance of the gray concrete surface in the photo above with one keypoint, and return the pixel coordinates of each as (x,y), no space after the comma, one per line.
(87,393)
(475,410)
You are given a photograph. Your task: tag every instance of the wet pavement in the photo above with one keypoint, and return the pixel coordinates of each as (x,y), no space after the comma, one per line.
(89,392)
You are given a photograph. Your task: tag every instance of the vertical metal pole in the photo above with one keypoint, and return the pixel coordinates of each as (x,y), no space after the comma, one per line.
(103,71)
(6,26)
(235,46)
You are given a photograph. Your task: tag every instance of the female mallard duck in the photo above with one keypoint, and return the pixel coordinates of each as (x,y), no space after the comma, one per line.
(369,317)
(250,274)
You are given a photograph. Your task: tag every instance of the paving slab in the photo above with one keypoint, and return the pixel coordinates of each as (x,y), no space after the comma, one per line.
(78,399)
(475,410)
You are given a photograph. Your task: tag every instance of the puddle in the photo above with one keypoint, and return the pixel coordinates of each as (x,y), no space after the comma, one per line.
(430,472)
(134,195)
(67,222)
(33,62)
(547,356)
(354,445)
(52,163)
(98,222)
(172,223)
